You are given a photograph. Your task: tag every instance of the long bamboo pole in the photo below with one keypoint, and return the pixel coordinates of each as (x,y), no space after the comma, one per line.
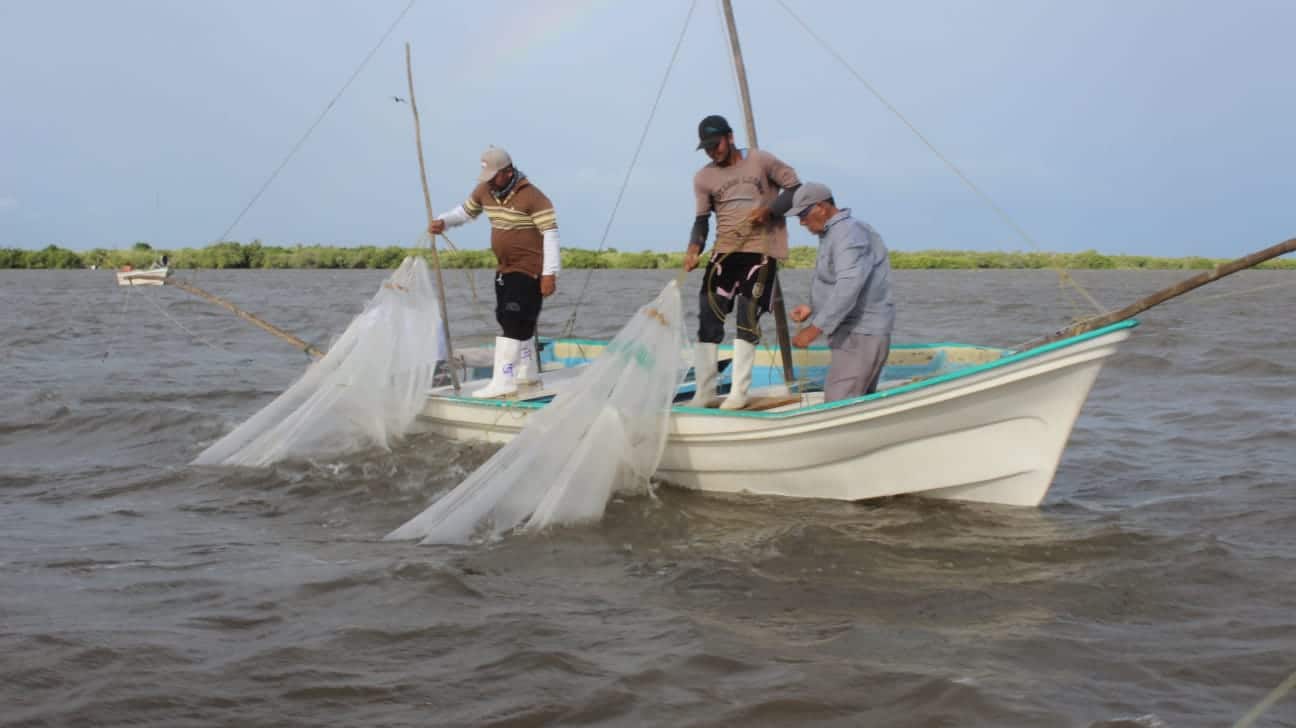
(1166,294)
(195,290)
(427,203)
(749,118)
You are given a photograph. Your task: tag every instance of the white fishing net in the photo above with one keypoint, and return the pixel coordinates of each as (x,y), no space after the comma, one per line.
(604,435)
(365,392)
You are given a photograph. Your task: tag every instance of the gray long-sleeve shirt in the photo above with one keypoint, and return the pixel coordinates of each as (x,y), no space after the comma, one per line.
(851,290)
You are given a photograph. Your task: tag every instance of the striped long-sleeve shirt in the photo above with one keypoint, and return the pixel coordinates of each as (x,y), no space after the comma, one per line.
(518,224)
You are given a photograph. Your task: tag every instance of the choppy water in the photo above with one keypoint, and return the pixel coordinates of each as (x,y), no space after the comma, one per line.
(1155,587)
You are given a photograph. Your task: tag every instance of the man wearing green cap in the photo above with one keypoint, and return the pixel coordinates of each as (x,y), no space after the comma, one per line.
(524,238)
(749,191)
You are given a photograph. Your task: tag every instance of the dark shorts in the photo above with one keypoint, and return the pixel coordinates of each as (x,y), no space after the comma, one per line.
(742,280)
(517,304)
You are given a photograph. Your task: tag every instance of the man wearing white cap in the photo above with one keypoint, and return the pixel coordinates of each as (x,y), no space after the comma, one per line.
(524,238)
(850,295)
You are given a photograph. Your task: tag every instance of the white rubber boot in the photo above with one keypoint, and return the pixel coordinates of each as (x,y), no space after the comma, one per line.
(527,373)
(704,374)
(502,383)
(744,358)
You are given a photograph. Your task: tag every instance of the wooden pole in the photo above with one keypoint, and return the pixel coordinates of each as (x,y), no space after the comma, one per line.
(427,203)
(195,290)
(749,118)
(1166,294)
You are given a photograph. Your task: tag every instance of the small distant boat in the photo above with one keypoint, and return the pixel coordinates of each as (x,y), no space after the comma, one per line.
(155,275)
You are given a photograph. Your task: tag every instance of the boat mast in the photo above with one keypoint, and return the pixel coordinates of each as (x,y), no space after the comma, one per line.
(427,203)
(776,298)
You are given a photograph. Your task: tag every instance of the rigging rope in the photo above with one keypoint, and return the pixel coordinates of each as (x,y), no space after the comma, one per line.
(327,108)
(121,318)
(302,140)
(571,320)
(1063,275)
(182,327)
(1247,292)
(476,304)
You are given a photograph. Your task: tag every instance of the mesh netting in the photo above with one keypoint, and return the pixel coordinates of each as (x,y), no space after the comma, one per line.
(604,435)
(365,392)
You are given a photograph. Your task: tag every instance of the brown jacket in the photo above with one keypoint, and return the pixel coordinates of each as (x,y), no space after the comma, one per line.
(517,223)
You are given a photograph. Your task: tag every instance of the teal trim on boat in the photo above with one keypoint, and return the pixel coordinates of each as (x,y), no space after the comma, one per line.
(941,379)
(968,371)
(501,403)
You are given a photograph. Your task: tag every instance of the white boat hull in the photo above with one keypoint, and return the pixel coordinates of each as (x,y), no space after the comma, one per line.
(151,277)
(994,434)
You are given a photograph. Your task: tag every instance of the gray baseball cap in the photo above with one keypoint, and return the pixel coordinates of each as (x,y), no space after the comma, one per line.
(807,195)
(493,160)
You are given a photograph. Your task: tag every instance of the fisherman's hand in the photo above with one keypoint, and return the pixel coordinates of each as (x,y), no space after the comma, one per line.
(436,227)
(758,216)
(800,313)
(548,284)
(691,257)
(805,337)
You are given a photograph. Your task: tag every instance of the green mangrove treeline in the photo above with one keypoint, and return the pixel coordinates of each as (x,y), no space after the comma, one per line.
(257,255)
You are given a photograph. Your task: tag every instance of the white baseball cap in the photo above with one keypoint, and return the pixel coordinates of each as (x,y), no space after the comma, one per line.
(493,160)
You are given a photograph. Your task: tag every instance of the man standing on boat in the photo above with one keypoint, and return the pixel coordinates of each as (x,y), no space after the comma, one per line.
(750,191)
(524,238)
(850,295)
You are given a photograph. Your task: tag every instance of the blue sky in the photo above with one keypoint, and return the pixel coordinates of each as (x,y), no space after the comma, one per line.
(1151,127)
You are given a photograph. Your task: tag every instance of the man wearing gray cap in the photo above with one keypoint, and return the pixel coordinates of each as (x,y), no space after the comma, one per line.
(524,238)
(850,295)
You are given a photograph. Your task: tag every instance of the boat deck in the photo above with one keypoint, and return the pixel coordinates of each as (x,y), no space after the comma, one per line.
(561,362)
